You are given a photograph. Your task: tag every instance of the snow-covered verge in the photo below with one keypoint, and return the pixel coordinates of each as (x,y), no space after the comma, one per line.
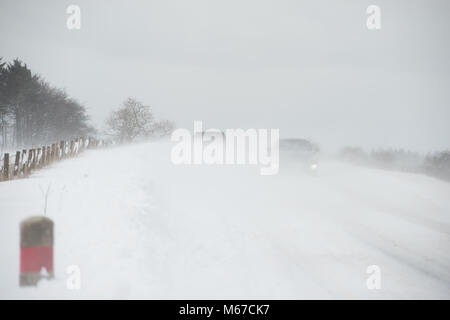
(140,227)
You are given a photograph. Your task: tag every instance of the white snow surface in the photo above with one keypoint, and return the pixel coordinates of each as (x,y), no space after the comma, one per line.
(140,227)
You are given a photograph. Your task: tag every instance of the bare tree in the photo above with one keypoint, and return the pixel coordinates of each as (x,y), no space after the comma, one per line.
(163,128)
(135,120)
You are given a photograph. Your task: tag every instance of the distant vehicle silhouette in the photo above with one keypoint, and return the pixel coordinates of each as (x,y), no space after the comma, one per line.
(299,151)
(211,134)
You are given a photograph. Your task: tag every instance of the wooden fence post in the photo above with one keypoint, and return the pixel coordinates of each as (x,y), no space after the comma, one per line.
(44,156)
(24,162)
(17,164)
(49,157)
(53,152)
(38,161)
(42,162)
(72,148)
(33,158)
(6,166)
(63,148)
(30,158)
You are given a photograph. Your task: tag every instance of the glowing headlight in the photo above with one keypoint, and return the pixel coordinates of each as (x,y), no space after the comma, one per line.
(314,166)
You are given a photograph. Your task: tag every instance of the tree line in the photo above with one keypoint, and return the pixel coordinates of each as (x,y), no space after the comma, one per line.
(32,112)
(436,164)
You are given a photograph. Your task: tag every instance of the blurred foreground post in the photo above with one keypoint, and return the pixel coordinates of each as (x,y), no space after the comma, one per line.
(36,249)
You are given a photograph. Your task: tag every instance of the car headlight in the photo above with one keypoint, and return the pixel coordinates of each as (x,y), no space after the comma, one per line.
(314,166)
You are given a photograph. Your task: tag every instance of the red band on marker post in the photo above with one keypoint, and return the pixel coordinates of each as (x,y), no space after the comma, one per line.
(36,250)
(33,259)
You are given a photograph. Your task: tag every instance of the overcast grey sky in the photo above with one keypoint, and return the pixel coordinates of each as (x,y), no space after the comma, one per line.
(310,68)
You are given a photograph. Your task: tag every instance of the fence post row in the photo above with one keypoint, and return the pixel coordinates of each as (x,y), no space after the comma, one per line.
(26,161)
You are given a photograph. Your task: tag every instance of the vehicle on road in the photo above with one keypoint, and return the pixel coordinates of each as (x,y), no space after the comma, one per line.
(299,152)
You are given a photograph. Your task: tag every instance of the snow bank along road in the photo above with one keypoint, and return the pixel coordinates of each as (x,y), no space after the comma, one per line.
(139,227)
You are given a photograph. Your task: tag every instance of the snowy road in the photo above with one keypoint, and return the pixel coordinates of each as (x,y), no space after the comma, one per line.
(140,227)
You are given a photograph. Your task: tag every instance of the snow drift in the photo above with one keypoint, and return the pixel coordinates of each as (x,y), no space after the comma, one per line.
(138,226)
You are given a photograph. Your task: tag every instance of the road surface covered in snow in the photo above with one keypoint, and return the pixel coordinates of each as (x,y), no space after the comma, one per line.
(138,226)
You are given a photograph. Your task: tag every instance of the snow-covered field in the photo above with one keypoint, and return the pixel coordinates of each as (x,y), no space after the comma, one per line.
(140,227)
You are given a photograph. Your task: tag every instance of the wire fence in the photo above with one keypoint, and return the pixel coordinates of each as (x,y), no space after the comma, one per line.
(22,163)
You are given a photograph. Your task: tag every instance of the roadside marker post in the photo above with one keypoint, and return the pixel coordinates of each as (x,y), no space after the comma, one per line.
(36,250)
